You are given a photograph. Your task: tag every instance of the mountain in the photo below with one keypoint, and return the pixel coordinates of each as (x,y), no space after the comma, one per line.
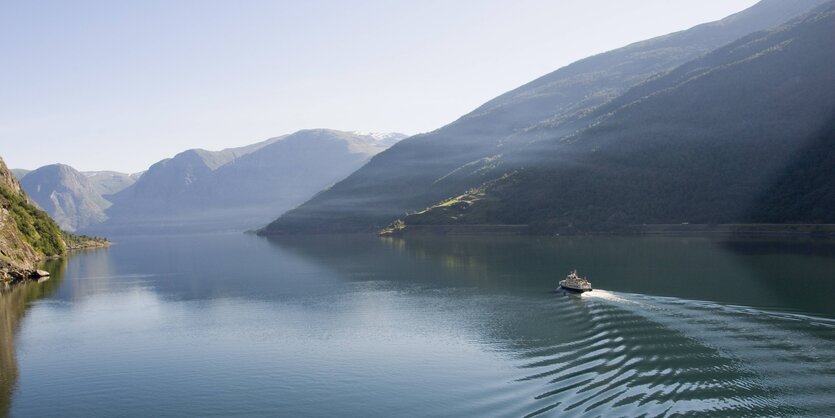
(744,134)
(74,199)
(240,188)
(428,168)
(19,172)
(27,234)
(110,182)
(166,180)
(67,195)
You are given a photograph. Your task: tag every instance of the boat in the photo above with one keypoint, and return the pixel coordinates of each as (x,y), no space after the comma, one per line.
(575,283)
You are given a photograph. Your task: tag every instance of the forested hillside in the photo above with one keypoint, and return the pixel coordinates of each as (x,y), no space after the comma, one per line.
(743,134)
(488,142)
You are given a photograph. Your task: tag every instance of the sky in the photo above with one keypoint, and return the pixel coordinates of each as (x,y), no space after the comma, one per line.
(119,85)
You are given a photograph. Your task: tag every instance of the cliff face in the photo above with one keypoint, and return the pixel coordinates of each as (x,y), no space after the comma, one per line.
(27,234)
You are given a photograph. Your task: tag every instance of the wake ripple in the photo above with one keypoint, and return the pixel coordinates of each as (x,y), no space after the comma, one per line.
(639,355)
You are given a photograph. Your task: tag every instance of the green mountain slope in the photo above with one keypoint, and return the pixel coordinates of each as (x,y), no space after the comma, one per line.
(430,167)
(27,234)
(743,134)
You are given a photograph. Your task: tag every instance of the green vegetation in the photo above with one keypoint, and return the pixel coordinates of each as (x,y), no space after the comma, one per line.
(805,193)
(36,227)
(76,241)
(395,228)
(459,209)
(452,210)
(28,235)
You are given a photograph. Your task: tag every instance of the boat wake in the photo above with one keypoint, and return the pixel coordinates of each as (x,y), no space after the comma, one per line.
(664,356)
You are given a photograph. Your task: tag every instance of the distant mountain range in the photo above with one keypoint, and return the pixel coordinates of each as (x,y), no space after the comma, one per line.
(67,195)
(74,199)
(729,121)
(650,132)
(200,190)
(19,172)
(110,182)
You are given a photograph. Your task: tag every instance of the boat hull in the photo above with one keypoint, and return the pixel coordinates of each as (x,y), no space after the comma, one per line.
(574,289)
(577,289)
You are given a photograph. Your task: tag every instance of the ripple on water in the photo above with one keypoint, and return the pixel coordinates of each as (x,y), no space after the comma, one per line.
(641,355)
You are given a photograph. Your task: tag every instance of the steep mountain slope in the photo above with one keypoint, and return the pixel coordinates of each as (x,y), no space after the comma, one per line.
(427,168)
(743,134)
(67,195)
(199,190)
(805,191)
(27,234)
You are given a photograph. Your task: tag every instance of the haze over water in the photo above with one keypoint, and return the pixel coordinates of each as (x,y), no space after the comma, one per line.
(237,325)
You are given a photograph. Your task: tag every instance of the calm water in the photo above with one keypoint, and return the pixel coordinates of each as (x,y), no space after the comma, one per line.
(237,325)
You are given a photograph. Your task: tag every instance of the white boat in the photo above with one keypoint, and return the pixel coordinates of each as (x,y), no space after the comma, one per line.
(575,283)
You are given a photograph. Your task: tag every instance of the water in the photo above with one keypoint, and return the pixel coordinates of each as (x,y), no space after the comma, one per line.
(237,325)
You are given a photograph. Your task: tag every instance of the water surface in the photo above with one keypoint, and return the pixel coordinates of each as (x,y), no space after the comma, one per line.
(237,325)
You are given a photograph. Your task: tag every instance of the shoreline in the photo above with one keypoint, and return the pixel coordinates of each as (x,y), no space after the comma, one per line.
(11,275)
(816,231)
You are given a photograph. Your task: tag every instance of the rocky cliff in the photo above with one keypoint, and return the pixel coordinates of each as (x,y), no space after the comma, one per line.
(27,234)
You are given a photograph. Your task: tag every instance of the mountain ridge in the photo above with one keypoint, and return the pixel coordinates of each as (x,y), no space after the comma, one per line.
(238,188)
(434,166)
(67,195)
(724,130)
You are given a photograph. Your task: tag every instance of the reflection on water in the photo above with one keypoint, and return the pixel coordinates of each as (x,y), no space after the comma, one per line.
(796,275)
(13,303)
(351,325)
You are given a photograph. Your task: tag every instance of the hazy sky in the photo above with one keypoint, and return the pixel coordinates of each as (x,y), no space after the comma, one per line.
(120,85)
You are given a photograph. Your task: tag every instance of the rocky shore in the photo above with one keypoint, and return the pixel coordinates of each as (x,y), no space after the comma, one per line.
(10,275)
(28,236)
(14,274)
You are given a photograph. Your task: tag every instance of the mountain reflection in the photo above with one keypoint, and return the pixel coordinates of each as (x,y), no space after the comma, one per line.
(13,305)
(675,326)
(615,352)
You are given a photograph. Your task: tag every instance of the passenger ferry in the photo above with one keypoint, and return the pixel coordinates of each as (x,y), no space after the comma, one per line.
(575,283)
